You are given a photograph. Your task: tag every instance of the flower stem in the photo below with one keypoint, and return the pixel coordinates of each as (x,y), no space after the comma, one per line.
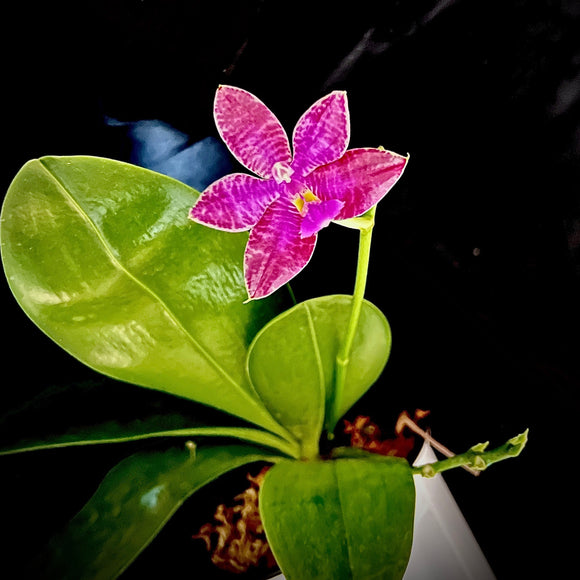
(405,421)
(365,226)
(477,458)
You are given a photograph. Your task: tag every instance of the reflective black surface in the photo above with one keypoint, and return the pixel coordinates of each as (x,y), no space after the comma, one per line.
(475,256)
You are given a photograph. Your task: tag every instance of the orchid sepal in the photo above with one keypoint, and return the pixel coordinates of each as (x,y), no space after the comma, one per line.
(249,195)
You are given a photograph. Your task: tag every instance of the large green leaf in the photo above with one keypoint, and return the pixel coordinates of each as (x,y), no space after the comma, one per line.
(345,519)
(81,414)
(132,504)
(103,258)
(292,362)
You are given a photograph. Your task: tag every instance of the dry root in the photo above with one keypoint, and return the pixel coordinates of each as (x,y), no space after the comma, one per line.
(237,541)
(366,435)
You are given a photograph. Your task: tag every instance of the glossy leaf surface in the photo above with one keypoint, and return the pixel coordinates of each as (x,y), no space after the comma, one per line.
(345,519)
(103,258)
(291,362)
(131,505)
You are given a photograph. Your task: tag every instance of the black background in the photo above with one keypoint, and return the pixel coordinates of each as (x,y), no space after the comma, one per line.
(475,255)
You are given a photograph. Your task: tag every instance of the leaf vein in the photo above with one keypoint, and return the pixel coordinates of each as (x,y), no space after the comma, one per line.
(319,364)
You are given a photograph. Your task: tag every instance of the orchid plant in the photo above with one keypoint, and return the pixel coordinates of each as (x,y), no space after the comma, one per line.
(149,282)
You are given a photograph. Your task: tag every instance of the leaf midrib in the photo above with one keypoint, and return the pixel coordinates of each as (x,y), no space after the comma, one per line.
(117,264)
(343,521)
(319,364)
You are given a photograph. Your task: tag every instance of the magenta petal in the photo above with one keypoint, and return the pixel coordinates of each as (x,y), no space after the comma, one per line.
(276,252)
(322,133)
(319,215)
(250,130)
(361,178)
(234,203)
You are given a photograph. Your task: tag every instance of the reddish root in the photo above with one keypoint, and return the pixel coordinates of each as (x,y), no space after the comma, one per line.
(237,540)
(364,434)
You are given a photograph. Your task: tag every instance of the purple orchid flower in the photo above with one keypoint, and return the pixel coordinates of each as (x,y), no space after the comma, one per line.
(295,195)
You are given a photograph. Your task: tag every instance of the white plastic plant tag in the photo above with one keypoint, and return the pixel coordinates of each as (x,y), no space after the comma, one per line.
(444,547)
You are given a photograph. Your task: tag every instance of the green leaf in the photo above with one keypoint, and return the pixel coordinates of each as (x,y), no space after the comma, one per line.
(82,414)
(345,519)
(292,361)
(132,504)
(102,257)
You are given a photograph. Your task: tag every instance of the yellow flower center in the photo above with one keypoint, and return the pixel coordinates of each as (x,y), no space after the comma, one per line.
(302,200)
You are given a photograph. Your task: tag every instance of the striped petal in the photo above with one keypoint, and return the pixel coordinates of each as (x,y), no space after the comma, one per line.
(234,203)
(322,134)
(250,130)
(361,178)
(276,252)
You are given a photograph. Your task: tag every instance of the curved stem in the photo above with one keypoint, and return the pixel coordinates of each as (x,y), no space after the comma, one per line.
(365,225)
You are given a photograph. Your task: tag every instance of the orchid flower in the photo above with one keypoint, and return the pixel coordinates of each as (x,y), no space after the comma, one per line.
(295,191)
